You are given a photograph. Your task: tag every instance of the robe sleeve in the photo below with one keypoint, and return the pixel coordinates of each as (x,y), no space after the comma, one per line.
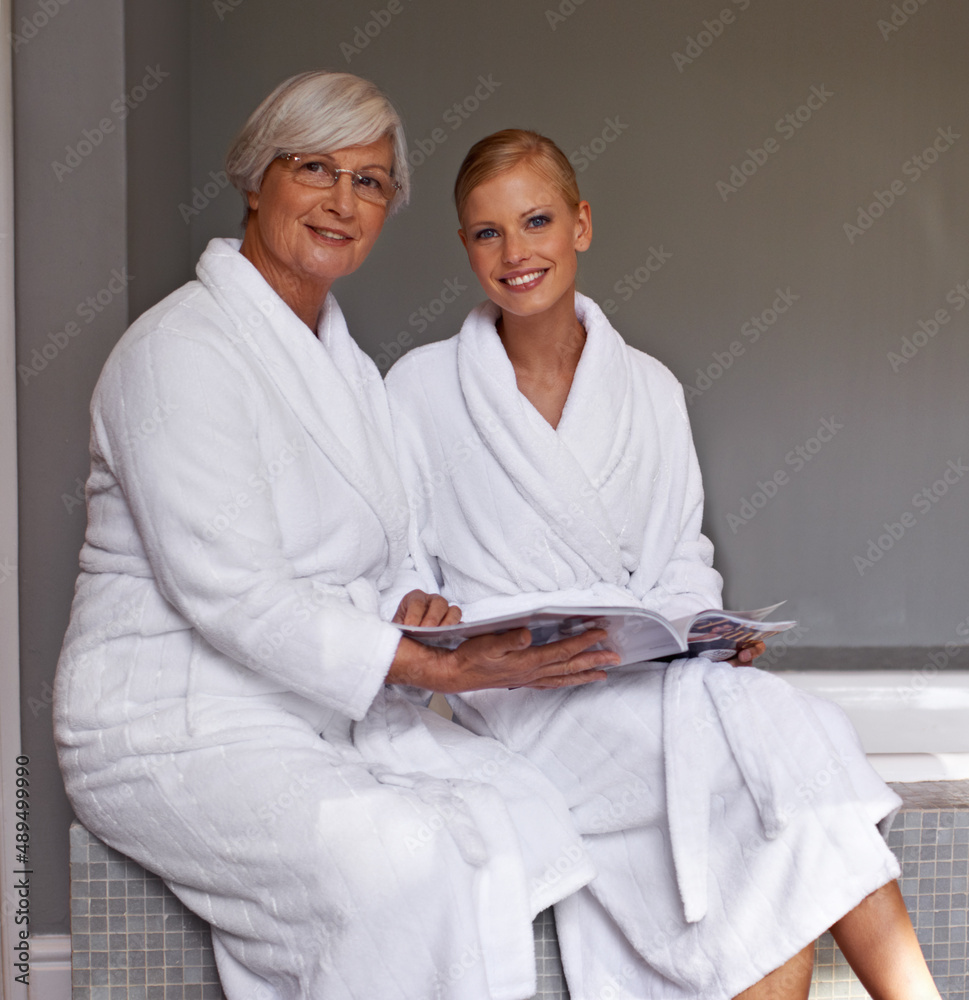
(177,420)
(688,583)
(420,571)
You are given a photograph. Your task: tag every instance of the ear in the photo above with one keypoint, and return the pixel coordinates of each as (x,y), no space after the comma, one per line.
(583,226)
(464,238)
(252,197)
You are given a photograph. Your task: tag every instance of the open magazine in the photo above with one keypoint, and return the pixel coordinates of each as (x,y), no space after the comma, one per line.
(634,633)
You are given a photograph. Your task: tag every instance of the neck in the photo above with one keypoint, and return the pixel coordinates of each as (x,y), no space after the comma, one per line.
(303,294)
(548,344)
(544,350)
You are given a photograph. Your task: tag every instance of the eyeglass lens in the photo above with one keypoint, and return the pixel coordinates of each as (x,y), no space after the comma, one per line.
(372,184)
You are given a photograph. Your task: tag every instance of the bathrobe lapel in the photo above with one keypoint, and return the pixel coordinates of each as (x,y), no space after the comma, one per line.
(558,472)
(352,426)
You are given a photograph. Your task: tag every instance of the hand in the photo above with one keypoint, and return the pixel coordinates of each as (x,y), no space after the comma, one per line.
(747,654)
(502,661)
(418,608)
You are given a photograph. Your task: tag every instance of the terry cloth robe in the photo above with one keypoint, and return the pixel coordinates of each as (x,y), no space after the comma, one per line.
(244,509)
(731,818)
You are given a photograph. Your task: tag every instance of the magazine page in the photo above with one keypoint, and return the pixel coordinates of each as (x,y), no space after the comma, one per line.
(719,634)
(634,633)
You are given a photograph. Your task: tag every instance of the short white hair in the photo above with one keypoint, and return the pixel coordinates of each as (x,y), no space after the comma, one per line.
(317,112)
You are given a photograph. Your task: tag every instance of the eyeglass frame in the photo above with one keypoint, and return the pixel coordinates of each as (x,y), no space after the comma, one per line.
(336,171)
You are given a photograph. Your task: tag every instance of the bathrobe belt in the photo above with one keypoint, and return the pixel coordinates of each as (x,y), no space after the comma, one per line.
(699,695)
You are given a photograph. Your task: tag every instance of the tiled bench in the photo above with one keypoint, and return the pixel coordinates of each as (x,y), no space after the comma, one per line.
(133,940)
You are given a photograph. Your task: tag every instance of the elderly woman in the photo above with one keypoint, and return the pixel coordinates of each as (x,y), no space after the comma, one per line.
(731,818)
(222,711)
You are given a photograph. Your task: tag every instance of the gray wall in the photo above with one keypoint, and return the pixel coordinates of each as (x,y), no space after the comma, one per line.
(677,130)
(70,239)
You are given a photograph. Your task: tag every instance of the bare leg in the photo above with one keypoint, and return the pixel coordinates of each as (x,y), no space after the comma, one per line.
(792,981)
(878,940)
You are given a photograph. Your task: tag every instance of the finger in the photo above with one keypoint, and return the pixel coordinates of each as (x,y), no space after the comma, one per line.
(597,659)
(585,663)
(747,654)
(435,610)
(453,616)
(498,644)
(401,611)
(414,605)
(566,649)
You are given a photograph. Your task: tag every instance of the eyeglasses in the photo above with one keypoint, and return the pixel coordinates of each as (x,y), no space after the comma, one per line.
(372,184)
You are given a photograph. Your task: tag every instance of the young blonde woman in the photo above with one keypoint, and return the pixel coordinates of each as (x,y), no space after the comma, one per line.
(730,818)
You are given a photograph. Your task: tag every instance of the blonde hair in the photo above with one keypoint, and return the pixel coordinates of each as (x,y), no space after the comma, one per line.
(317,112)
(504,150)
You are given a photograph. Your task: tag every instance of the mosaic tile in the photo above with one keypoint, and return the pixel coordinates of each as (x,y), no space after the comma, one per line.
(133,940)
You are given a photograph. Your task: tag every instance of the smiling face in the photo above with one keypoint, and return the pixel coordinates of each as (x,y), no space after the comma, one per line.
(302,238)
(522,238)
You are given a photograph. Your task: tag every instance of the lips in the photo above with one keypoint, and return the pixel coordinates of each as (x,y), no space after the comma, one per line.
(331,234)
(525,279)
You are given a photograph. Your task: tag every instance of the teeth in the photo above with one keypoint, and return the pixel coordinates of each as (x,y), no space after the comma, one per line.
(525,278)
(330,234)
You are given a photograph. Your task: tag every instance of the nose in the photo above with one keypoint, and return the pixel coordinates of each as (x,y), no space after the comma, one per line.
(341,196)
(514,249)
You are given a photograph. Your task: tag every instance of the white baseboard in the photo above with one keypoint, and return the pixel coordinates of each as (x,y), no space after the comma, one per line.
(50,967)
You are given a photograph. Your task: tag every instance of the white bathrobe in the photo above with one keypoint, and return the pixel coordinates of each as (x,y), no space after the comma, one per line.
(244,509)
(731,818)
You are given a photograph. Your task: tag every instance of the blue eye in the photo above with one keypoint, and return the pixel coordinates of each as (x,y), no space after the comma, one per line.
(537,221)
(485,234)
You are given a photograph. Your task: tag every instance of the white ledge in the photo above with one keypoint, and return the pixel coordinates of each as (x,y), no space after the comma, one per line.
(914,725)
